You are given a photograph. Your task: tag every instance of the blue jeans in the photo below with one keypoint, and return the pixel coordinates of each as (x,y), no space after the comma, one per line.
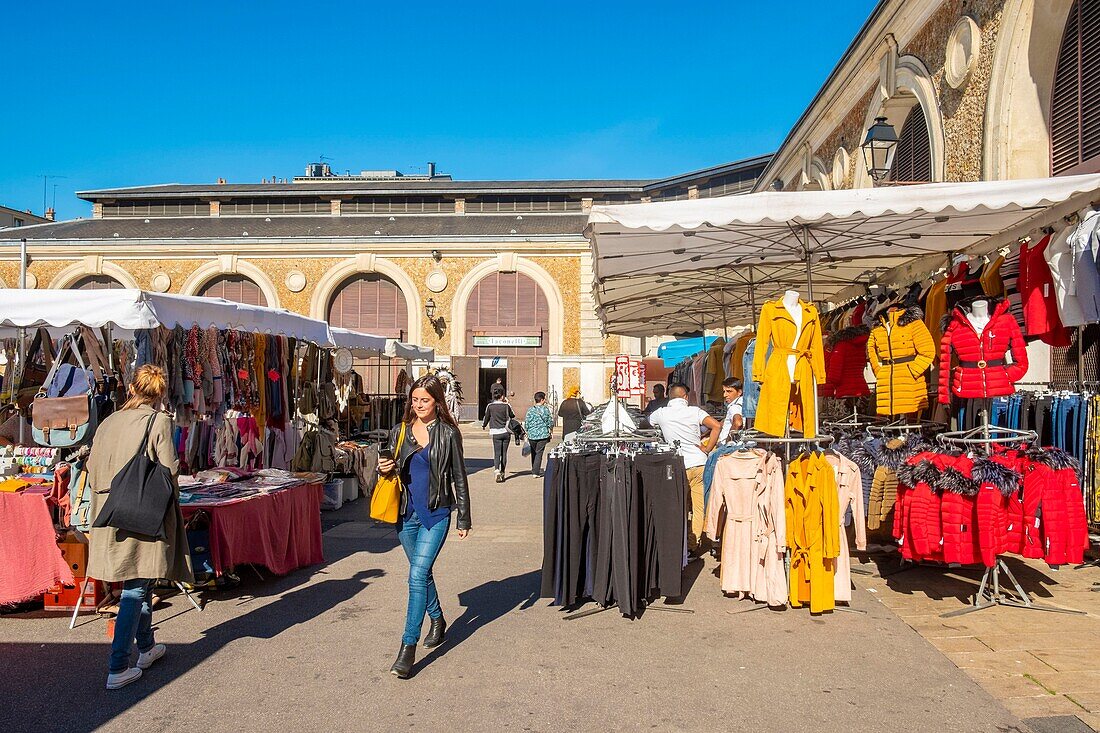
(422,547)
(134,620)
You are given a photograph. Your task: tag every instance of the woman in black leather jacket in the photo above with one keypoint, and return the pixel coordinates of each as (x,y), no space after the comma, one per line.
(427,449)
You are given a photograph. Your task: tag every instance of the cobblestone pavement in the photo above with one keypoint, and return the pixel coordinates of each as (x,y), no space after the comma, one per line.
(311,651)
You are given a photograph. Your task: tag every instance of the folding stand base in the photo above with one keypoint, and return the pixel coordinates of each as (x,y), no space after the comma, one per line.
(84,588)
(991,594)
(600,609)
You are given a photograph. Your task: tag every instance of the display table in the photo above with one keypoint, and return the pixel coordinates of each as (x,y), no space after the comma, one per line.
(280,530)
(30,561)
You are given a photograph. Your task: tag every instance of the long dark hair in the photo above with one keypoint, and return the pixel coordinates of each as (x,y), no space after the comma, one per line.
(433,385)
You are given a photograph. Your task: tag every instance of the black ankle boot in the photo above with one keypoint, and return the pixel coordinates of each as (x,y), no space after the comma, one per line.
(406,658)
(437,633)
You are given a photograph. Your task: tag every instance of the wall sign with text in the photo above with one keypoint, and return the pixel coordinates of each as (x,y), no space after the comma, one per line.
(533,341)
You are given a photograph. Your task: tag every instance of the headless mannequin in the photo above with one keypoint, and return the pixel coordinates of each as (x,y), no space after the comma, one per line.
(979,315)
(790,302)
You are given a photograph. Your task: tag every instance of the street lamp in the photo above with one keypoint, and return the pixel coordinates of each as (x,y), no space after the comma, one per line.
(429,309)
(878,149)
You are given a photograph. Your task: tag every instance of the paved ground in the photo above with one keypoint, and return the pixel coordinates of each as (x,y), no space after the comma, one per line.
(311,652)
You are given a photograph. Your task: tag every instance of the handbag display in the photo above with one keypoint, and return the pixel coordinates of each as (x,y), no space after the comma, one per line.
(63,413)
(80,500)
(140,495)
(385,500)
(34,374)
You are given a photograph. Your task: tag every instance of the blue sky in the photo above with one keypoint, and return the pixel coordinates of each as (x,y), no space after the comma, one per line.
(128,93)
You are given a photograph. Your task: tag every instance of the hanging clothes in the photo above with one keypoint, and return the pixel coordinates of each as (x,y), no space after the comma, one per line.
(1040,302)
(901,351)
(714,372)
(813,532)
(784,387)
(748,487)
(1060,259)
(983,370)
(992,284)
(935,309)
(845,366)
(751,398)
(849,485)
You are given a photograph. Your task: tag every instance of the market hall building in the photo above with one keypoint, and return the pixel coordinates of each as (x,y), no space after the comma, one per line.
(985,90)
(494,275)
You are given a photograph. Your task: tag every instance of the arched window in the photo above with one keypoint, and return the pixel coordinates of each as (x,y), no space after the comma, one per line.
(507,305)
(1075,99)
(913,158)
(371,303)
(237,288)
(97,282)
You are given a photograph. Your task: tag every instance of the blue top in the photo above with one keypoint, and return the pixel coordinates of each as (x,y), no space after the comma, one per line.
(418,484)
(539,422)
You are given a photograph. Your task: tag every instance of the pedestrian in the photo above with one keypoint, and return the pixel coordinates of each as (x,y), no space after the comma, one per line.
(659,400)
(572,411)
(498,414)
(136,561)
(539,424)
(432,467)
(733,390)
(680,421)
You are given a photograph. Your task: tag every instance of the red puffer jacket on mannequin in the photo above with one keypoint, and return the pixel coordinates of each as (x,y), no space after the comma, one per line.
(959,511)
(982,370)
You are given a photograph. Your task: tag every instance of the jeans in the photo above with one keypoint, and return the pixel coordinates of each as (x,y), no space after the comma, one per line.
(134,620)
(422,547)
(538,447)
(500,451)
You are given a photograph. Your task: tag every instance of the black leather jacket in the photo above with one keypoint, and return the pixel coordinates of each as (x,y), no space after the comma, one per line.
(448,485)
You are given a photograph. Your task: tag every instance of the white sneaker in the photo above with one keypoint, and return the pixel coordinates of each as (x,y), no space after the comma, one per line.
(146,659)
(116,680)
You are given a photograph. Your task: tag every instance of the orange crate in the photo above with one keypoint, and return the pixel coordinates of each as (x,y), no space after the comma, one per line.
(61,598)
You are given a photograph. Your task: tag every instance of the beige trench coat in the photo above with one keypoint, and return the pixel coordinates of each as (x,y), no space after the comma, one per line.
(116,555)
(849,486)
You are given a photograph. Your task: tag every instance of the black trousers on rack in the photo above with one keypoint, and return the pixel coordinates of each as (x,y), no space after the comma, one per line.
(615,574)
(662,493)
(580,494)
(551,559)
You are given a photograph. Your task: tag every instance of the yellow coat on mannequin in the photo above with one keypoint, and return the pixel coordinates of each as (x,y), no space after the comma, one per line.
(779,330)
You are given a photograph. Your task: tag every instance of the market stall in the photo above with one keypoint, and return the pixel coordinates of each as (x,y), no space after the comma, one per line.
(936,293)
(243,390)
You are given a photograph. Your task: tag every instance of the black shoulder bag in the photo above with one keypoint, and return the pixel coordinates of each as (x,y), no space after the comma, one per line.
(140,494)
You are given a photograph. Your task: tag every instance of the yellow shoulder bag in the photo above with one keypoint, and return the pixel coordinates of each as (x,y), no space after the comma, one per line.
(385,502)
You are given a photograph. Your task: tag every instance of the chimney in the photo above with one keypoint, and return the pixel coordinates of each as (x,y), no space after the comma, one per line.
(221,180)
(431,170)
(50,214)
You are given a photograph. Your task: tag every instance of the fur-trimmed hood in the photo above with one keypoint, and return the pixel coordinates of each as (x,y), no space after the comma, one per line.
(919,469)
(859,453)
(1056,458)
(848,334)
(995,473)
(956,476)
(894,452)
(911,314)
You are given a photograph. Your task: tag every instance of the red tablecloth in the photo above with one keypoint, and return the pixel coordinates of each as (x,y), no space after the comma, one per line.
(281,530)
(30,561)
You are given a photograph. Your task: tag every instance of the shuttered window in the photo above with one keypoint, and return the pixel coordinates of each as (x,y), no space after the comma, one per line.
(507,304)
(913,158)
(370,303)
(1075,99)
(96,282)
(237,288)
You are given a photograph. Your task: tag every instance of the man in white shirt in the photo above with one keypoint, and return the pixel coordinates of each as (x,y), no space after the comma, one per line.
(679,421)
(732,391)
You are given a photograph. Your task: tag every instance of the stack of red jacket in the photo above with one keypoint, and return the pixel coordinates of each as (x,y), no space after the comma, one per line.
(957,509)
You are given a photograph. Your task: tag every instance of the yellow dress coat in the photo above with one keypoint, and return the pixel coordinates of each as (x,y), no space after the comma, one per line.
(813,531)
(779,330)
(901,352)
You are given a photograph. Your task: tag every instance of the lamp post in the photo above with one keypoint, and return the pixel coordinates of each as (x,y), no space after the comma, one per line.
(878,149)
(429,309)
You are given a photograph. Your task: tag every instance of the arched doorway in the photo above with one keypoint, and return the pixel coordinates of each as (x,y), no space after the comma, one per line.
(237,288)
(913,156)
(97,282)
(507,337)
(371,303)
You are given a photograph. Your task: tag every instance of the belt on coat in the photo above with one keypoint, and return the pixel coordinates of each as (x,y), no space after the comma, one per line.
(900,360)
(983,363)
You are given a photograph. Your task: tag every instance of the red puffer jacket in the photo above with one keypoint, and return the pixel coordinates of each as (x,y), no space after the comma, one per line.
(917,524)
(1061,513)
(845,360)
(959,511)
(996,483)
(982,370)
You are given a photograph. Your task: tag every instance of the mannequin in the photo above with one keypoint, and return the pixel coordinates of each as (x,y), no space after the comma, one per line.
(979,315)
(790,302)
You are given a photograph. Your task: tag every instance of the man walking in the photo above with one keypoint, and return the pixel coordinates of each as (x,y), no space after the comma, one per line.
(539,424)
(679,421)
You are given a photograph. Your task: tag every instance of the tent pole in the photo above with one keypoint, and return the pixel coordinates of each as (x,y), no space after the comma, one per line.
(809,263)
(725,323)
(752,294)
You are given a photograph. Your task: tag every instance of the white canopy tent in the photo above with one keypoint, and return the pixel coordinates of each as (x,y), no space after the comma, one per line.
(363,344)
(129,310)
(704,263)
(402,350)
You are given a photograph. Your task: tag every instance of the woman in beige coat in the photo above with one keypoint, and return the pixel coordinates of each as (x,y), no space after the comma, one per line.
(135,560)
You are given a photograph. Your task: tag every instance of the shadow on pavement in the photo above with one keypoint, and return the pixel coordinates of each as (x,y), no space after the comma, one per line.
(939,582)
(61,686)
(475,465)
(485,604)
